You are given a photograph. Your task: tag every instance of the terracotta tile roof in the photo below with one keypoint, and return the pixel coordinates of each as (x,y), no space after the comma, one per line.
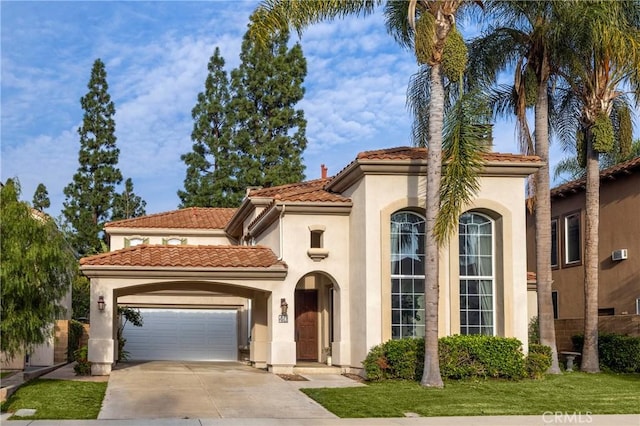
(309,191)
(187,257)
(189,218)
(612,172)
(413,153)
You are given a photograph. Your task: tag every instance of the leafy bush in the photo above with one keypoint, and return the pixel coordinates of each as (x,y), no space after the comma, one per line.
(460,357)
(538,360)
(83,366)
(481,356)
(534,330)
(617,353)
(75,335)
(396,359)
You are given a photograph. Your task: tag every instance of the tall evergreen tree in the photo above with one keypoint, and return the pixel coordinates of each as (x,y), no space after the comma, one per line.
(89,196)
(127,204)
(211,177)
(41,198)
(37,269)
(269,133)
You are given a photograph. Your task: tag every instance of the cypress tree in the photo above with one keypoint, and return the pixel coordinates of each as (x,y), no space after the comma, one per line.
(89,196)
(41,198)
(210,179)
(269,133)
(127,204)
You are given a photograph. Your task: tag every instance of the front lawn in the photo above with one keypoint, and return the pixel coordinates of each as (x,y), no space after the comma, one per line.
(58,399)
(569,392)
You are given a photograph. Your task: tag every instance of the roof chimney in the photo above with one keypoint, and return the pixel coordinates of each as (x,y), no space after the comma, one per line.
(323,171)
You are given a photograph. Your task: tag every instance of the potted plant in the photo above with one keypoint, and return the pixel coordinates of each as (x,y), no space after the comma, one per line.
(327,352)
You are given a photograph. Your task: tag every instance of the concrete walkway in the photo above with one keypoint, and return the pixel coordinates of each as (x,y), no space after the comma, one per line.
(163,389)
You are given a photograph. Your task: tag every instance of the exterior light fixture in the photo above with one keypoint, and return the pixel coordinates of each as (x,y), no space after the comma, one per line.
(284,306)
(101,303)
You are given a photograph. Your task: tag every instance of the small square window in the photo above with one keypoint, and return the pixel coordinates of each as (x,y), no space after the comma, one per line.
(316,239)
(135,241)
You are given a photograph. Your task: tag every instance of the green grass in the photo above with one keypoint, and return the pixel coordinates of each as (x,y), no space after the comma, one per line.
(58,399)
(571,392)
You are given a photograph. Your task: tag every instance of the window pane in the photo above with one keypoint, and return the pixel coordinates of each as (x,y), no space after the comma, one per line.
(407,270)
(476,260)
(572,232)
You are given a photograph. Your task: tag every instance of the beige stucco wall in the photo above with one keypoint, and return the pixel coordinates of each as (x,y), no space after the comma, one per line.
(375,198)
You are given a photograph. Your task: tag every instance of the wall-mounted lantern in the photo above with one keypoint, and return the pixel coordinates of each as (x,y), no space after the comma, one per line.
(101,303)
(284,307)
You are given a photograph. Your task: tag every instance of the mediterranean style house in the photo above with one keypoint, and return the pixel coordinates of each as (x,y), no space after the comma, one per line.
(619,243)
(328,265)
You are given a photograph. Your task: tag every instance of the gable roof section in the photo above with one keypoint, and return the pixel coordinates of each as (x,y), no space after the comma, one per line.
(309,191)
(167,256)
(189,218)
(613,172)
(413,160)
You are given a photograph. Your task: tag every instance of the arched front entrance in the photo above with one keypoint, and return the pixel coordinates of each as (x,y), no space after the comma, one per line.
(314,317)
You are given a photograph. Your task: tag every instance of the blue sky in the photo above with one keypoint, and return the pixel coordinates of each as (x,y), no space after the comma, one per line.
(156,56)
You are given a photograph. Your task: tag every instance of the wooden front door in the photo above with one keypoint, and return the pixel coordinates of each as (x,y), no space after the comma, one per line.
(306,314)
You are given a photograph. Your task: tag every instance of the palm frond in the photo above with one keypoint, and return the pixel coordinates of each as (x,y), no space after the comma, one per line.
(273,16)
(467,135)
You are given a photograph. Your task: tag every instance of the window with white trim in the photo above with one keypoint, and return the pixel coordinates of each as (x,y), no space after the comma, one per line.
(572,246)
(174,241)
(477,300)
(135,241)
(407,275)
(638,306)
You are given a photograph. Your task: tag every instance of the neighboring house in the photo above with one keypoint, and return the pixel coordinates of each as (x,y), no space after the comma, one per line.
(619,243)
(335,262)
(44,354)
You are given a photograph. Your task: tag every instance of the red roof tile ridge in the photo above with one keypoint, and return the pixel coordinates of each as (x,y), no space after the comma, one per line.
(166,213)
(608,172)
(280,188)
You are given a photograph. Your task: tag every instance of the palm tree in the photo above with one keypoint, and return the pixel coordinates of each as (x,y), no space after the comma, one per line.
(523,38)
(428,24)
(603,57)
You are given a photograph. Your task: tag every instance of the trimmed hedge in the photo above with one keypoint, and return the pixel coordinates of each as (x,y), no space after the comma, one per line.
(538,360)
(75,335)
(460,357)
(618,353)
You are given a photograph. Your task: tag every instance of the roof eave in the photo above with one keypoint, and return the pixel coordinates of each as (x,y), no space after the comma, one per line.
(236,223)
(304,207)
(274,272)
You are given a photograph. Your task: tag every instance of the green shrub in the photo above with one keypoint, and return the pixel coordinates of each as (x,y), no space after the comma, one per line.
(538,360)
(83,366)
(481,356)
(460,357)
(75,335)
(617,353)
(534,330)
(396,359)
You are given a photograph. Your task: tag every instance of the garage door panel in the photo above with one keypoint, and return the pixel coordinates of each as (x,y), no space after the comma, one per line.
(183,334)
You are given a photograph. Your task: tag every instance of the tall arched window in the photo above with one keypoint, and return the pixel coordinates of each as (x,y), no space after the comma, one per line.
(407,275)
(477,299)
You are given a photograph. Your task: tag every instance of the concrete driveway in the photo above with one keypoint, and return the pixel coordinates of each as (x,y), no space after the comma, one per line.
(167,389)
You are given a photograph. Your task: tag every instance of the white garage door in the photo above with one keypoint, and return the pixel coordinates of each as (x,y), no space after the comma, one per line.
(183,335)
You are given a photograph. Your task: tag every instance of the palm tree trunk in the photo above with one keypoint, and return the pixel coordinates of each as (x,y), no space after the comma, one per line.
(590,362)
(544,279)
(431,376)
